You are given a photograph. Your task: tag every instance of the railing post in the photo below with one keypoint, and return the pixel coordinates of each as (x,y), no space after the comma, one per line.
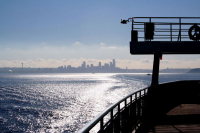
(111,117)
(101,125)
(139,102)
(180,28)
(131,98)
(119,117)
(136,112)
(171,30)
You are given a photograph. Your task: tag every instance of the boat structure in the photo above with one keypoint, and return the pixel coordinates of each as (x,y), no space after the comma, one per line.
(166,107)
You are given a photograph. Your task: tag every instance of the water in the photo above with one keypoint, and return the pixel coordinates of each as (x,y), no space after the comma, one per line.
(65,102)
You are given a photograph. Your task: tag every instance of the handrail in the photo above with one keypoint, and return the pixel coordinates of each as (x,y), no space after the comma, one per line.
(134,114)
(184,25)
(100,117)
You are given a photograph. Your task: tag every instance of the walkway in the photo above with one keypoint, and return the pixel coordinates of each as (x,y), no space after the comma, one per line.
(184,118)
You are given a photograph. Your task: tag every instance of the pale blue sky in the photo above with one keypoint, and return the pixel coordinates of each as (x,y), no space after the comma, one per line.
(89,29)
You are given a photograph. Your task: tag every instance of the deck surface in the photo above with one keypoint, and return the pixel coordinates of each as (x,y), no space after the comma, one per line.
(183,118)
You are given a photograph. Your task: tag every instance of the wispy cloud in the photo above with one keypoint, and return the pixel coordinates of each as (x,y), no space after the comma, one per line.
(79,44)
(102,44)
(145,61)
(109,47)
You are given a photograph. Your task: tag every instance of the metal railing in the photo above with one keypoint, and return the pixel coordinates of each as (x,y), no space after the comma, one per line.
(122,117)
(167,28)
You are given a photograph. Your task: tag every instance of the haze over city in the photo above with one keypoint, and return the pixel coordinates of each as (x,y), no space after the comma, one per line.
(56,33)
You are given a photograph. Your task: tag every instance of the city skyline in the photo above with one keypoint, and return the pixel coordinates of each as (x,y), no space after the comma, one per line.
(131,64)
(110,65)
(107,67)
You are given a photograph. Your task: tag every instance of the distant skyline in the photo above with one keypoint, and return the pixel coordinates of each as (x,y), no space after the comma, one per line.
(52,33)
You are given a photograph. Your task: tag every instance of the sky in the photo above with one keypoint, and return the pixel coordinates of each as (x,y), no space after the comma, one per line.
(49,33)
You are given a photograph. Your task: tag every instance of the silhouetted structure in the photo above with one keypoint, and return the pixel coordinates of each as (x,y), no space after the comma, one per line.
(158,107)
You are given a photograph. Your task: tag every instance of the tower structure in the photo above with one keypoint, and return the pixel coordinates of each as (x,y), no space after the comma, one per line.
(113,64)
(84,65)
(164,35)
(99,65)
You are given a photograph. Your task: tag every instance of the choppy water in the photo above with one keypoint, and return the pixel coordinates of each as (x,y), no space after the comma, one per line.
(65,102)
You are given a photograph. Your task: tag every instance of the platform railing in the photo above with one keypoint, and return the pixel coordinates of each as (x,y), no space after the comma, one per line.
(122,117)
(166,28)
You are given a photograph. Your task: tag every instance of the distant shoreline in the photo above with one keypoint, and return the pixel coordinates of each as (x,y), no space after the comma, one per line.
(195,70)
(8,70)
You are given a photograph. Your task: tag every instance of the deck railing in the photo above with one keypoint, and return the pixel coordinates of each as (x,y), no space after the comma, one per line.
(122,117)
(167,28)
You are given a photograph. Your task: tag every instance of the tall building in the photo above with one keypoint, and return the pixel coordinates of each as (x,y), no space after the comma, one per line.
(114,63)
(99,65)
(106,66)
(84,65)
(111,65)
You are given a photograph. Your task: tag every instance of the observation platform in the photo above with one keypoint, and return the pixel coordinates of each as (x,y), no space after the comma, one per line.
(164,35)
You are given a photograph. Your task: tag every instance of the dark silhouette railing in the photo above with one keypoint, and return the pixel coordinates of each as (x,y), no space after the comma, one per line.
(165,28)
(124,116)
(143,109)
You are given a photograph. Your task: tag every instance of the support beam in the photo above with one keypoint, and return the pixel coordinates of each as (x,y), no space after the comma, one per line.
(156,64)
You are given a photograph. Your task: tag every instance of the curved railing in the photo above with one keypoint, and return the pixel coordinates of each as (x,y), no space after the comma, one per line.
(123,116)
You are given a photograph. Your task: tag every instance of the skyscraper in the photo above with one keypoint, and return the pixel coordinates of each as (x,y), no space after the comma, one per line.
(114,63)
(111,65)
(84,65)
(99,65)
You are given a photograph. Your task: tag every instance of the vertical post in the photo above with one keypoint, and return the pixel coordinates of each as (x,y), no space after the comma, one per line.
(171,30)
(101,125)
(150,22)
(180,28)
(119,122)
(111,117)
(131,99)
(132,23)
(156,64)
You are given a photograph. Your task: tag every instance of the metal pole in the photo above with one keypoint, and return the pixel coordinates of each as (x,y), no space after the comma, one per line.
(180,28)
(171,30)
(156,64)
(132,23)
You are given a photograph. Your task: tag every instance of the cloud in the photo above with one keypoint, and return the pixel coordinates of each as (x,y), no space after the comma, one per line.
(44,43)
(78,44)
(40,60)
(109,47)
(112,47)
(145,61)
(102,44)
